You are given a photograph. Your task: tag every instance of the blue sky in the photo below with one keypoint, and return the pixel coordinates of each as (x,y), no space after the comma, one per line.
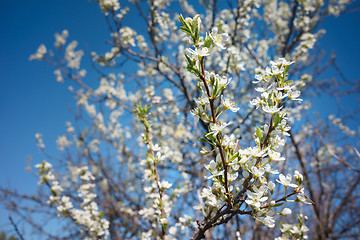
(32,101)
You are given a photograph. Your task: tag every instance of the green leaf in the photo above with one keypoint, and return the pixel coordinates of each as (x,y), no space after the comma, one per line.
(286,68)
(277,119)
(194,23)
(149,156)
(210,137)
(234,156)
(182,20)
(208,41)
(278,204)
(186,30)
(217,110)
(216,89)
(259,134)
(192,69)
(164,227)
(184,23)
(203,140)
(196,35)
(190,62)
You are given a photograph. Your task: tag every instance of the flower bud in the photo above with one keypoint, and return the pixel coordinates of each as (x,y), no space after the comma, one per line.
(286,212)
(271,186)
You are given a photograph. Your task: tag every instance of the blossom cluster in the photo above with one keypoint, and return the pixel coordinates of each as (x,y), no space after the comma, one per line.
(72,57)
(109,5)
(40,53)
(294,231)
(345,129)
(88,215)
(238,172)
(158,201)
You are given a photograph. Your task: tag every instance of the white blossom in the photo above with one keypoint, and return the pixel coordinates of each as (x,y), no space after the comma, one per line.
(218,39)
(286,181)
(40,53)
(269,221)
(228,104)
(216,128)
(271,110)
(202,52)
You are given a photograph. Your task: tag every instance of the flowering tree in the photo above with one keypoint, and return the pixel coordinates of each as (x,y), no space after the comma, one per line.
(202,132)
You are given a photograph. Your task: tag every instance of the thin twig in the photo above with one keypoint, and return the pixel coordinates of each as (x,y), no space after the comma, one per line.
(16,228)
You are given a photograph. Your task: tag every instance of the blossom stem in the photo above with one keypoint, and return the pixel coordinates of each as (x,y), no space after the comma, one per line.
(163,231)
(157,179)
(211,101)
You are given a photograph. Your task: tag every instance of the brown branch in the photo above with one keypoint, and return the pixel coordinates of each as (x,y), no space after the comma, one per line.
(316,205)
